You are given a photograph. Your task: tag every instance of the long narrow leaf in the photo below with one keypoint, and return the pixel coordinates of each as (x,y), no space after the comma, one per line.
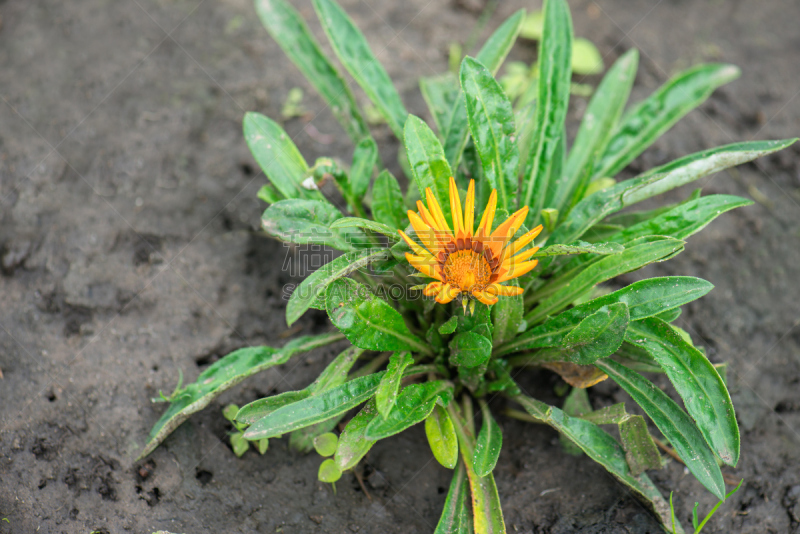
(555,73)
(367,321)
(287,27)
(602,114)
(390,384)
(309,222)
(675,174)
(656,114)
(311,292)
(603,449)
(446,98)
(315,409)
(223,375)
(387,201)
(491,123)
(642,252)
(486,510)
(428,163)
(456,518)
(277,156)
(353,445)
(353,51)
(644,298)
(674,423)
(696,380)
(683,220)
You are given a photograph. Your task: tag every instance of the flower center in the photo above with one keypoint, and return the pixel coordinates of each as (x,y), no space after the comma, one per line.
(467,270)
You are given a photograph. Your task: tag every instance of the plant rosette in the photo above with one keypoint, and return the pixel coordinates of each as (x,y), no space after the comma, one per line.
(440,314)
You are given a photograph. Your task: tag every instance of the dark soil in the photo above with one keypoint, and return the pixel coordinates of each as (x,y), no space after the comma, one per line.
(130,251)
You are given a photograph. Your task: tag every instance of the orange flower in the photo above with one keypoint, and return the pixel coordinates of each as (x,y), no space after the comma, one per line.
(463,262)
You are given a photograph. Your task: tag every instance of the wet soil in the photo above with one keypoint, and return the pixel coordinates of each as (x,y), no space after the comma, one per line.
(130,252)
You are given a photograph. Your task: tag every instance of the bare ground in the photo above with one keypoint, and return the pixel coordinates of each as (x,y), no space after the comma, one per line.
(129,252)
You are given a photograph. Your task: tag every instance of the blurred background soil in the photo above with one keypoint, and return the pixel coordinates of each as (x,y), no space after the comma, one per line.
(130,251)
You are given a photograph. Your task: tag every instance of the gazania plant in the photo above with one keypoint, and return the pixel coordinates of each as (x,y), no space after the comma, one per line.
(441,317)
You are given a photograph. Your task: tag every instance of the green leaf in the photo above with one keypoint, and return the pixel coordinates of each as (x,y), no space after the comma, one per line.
(269,194)
(646,121)
(602,114)
(414,404)
(302,440)
(609,415)
(287,27)
(326,444)
(677,173)
(586,59)
(488,444)
(696,381)
(250,413)
(311,292)
(669,315)
(491,123)
(390,384)
(533,26)
(353,445)
(239,444)
(316,408)
(446,98)
(309,222)
(229,412)
(328,472)
(470,349)
(368,321)
(629,218)
(673,422)
(449,326)
(644,298)
(638,254)
(683,220)
(597,336)
(335,374)
(507,319)
(223,375)
(440,94)
(456,518)
(442,437)
(428,163)
(365,157)
(262,445)
(580,247)
(486,510)
(387,201)
(498,45)
(640,450)
(357,222)
(555,77)
(577,403)
(353,51)
(277,156)
(600,447)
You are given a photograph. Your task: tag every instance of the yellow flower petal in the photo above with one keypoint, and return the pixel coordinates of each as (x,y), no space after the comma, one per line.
(426,266)
(516,270)
(485,297)
(432,289)
(506,231)
(505,291)
(447,294)
(469,209)
(485,227)
(436,211)
(455,210)
(418,250)
(426,234)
